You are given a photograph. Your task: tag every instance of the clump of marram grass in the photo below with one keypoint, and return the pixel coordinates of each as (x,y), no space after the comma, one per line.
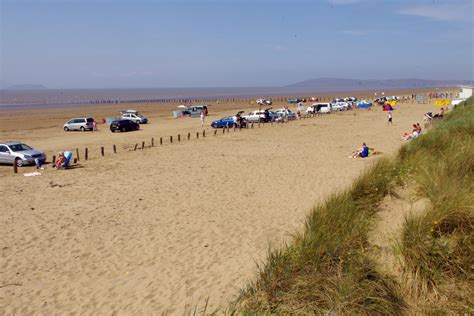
(326,268)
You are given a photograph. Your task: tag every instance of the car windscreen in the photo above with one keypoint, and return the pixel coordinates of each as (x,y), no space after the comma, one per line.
(20,147)
(90,120)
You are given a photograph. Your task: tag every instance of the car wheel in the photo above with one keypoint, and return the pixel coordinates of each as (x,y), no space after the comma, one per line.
(82,129)
(123,129)
(19,162)
(66,129)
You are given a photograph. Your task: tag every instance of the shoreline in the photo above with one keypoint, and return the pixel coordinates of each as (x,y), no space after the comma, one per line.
(242,97)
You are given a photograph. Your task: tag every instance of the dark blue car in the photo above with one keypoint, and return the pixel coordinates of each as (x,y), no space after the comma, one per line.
(228,121)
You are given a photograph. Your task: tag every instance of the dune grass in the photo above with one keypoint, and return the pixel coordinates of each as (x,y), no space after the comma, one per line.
(437,247)
(328,269)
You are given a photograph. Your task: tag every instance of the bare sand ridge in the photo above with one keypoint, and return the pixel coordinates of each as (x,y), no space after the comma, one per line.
(164,228)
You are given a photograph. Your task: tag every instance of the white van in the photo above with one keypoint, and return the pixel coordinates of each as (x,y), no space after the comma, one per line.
(319,108)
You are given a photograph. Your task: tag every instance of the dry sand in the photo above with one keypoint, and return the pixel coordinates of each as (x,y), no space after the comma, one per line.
(164,228)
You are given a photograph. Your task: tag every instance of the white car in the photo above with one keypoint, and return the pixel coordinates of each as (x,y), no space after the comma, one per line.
(319,108)
(340,106)
(286,113)
(264,102)
(259,116)
(133,115)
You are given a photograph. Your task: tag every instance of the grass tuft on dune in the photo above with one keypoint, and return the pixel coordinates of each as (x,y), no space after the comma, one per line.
(327,268)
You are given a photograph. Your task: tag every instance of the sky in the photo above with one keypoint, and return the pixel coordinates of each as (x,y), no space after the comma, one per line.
(223,43)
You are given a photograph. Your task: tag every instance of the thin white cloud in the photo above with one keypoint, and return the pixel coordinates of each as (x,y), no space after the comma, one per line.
(442,12)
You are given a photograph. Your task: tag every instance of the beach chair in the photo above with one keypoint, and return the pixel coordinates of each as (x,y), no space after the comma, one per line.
(67,161)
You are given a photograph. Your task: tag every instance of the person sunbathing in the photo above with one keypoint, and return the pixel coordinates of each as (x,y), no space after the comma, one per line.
(418,128)
(59,160)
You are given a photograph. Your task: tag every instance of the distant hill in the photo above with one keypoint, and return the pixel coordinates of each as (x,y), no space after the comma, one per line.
(334,84)
(26,87)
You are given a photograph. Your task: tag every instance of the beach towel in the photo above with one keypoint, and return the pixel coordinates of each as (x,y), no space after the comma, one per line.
(32,174)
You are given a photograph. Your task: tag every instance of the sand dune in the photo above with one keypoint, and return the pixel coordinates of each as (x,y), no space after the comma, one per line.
(164,228)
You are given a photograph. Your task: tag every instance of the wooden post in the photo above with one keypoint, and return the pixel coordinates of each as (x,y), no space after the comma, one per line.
(115,149)
(143,145)
(15,167)
(189,136)
(86,153)
(197,135)
(54,159)
(171,139)
(223,130)
(135,148)
(251,126)
(203,133)
(77,153)
(152,142)
(75,160)
(161,140)
(102,151)
(215,131)
(179,138)
(234,128)
(258,124)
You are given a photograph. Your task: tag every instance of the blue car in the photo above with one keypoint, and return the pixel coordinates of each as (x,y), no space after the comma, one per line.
(228,121)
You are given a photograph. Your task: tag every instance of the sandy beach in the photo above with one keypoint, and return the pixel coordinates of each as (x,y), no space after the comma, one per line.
(164,228)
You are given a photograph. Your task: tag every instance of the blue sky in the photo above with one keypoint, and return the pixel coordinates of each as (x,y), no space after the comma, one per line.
(199,43)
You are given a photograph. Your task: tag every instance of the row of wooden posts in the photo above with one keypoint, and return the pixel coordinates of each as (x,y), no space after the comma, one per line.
(152,142)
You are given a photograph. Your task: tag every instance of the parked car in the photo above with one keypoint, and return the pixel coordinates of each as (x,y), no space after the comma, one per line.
(79,124)
(286,113)
(134,116)
(20,154)
(262,116)
(296,100)
(124,125)
(340,106)
(195,111)
(228,121)
(264,102)
(319,108)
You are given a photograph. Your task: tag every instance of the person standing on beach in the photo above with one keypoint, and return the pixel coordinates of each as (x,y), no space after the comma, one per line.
(202,118)
(389,118)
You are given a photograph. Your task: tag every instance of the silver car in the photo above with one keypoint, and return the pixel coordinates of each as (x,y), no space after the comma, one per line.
(19,153)
(79,124)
